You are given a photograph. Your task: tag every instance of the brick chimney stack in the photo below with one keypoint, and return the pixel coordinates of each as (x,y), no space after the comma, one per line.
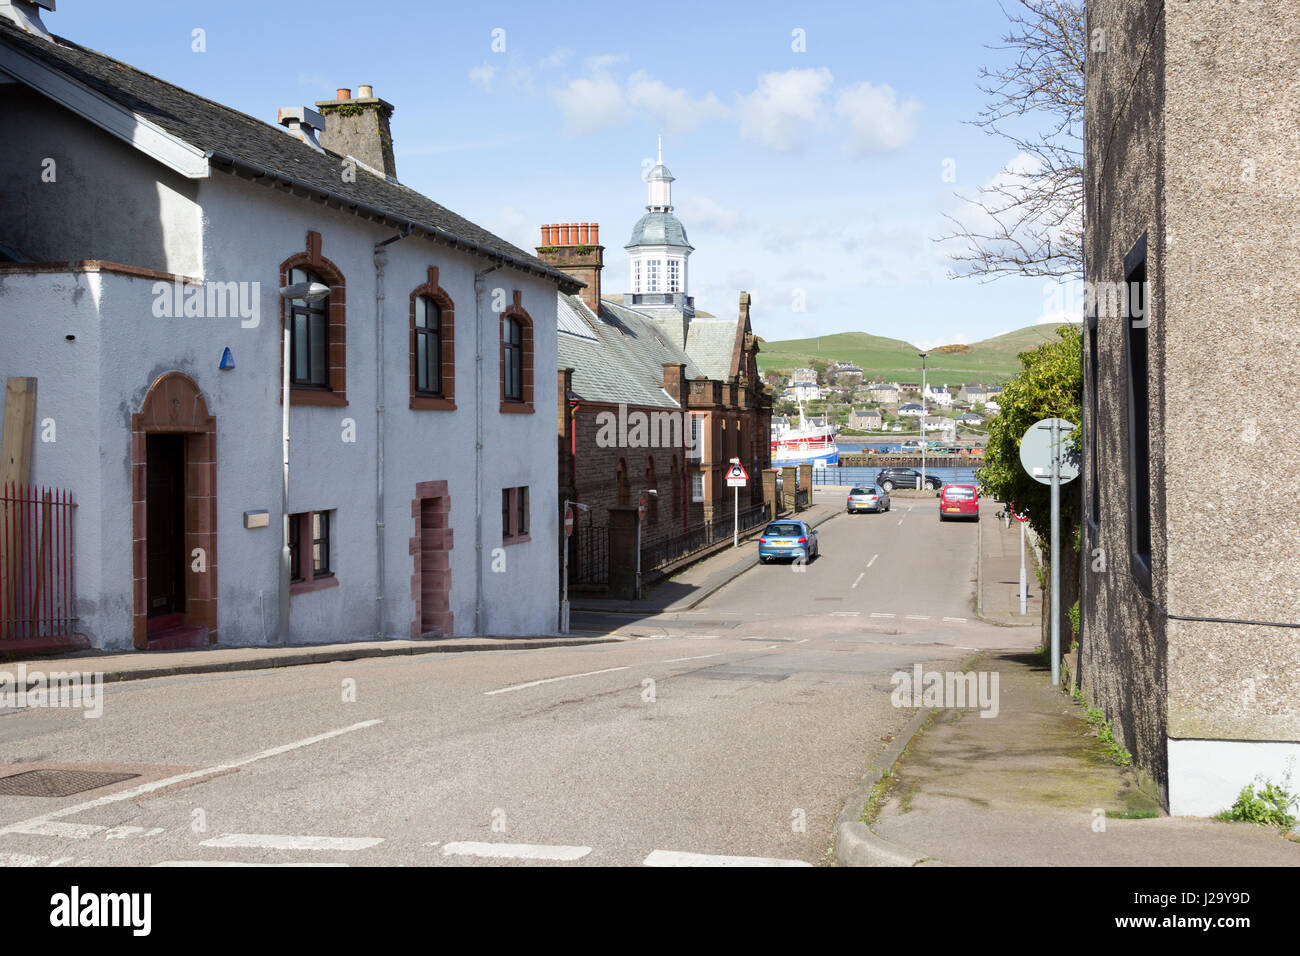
(359,126)
(574,247)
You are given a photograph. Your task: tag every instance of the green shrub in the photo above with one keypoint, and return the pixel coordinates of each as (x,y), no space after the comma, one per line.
(1271,807)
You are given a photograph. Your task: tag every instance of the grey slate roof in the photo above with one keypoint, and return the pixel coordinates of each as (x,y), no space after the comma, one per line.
(618,356)
(658,229)
(712,344)
(235,140)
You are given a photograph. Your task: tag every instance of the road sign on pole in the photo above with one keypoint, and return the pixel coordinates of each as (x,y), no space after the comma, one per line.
(1046,459)
(737,478)
(568,522)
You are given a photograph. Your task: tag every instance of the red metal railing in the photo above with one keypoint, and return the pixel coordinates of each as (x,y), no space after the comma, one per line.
(37,599)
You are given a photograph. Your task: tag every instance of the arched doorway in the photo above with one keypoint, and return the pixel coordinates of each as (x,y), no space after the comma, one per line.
(174,517)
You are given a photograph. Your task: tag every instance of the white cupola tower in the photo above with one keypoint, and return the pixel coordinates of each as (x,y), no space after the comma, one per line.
(659,251)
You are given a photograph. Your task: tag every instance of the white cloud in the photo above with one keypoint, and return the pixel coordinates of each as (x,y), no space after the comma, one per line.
(785,108)
(604,61)
(879,123)
(591,103)
(674,110)
(483,75)
(708,213)
(515,226)
(556,59)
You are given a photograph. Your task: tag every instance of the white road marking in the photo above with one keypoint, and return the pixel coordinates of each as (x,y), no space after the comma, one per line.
(551,680)
(955,620)
(678,858)
(676,660)
(515,851)
(860,576)
(918,617)
(900,520)
(146,788)
(804,641)
(873,560)
(845,613)
(705,637)
(880,614)
(188,863)
(121,833)
(280,841)
(68,831)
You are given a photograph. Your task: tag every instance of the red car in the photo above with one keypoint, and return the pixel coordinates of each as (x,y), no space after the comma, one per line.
(959,501)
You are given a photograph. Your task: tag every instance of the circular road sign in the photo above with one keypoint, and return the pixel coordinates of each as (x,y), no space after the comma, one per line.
(1036,451)
(568,522)
(640,506)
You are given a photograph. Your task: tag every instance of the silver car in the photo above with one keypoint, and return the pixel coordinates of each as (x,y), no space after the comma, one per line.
(868,498)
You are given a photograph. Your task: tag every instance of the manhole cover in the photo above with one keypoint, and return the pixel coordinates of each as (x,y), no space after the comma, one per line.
(58,783)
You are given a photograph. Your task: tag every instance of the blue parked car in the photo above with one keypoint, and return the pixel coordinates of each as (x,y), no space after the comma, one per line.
(787,538)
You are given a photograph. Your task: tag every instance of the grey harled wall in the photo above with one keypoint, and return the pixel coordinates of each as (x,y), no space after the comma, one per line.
(1124,661)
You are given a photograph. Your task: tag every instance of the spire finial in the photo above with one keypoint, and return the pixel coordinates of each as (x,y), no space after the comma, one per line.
(661,150)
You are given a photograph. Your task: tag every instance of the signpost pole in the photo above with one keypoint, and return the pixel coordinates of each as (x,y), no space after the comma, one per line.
(1056,552)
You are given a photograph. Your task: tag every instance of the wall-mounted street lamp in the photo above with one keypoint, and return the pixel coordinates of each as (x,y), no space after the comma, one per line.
(309,292)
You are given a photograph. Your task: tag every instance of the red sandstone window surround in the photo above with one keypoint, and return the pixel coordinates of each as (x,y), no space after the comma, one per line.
(314,569)
(318,335)
(514,515)
(433,347)
(516,358)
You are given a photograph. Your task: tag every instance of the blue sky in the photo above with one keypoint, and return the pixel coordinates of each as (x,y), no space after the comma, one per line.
(810,178)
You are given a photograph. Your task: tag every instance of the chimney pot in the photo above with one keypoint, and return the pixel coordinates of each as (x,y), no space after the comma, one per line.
(585,230)
(365,91)
(343,93)
(555,234)
(595,234)
(564,234)
(546,236)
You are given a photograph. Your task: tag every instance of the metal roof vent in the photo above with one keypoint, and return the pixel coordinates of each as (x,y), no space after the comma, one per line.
(27,15)
(302,123)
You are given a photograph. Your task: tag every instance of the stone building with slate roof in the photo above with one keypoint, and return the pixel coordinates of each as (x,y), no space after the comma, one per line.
(144,234)
(692,375)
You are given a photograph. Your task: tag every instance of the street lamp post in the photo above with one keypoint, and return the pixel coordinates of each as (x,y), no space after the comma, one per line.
(923,355)
(309,292)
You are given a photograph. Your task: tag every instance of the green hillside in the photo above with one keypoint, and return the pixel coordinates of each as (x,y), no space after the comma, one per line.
(987,361)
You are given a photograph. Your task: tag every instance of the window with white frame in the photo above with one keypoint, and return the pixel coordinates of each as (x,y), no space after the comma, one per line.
(636,275)
(697,486)
(652,275)
(674,275)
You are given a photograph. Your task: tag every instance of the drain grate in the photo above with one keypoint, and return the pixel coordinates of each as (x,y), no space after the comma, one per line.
(58,783)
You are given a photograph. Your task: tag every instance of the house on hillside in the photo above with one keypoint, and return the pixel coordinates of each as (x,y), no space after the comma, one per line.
(1189,640)
(141,296)
(939,395)
(884,394)
(867,419)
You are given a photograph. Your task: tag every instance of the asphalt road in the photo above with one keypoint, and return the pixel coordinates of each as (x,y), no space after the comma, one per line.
(734,730)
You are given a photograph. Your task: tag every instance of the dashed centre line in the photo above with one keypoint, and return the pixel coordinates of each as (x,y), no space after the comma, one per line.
(677,660)
(860,576)
(515,851)
(552,680)
(873,560)
(280,841)
(880,614)
(678,858)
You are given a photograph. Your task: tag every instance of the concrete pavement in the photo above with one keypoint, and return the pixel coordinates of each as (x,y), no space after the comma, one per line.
(1032,785)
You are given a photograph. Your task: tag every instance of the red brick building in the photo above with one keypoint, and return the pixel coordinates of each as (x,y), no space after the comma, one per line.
(650,398)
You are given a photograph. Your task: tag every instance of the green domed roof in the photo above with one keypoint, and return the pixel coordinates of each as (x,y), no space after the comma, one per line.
(658,229)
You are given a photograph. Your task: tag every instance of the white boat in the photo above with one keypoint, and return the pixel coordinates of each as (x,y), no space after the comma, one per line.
(805,444)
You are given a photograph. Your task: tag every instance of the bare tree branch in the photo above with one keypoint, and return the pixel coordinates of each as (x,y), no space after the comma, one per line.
(1029,221)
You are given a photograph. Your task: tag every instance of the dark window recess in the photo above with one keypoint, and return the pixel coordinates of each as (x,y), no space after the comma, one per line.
(513,350)
(316,525)
(1139,411)
(514,513)
(428,347)
(1094,405)
(308,336)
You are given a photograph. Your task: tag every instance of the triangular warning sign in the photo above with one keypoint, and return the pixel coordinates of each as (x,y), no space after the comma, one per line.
(737,470)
